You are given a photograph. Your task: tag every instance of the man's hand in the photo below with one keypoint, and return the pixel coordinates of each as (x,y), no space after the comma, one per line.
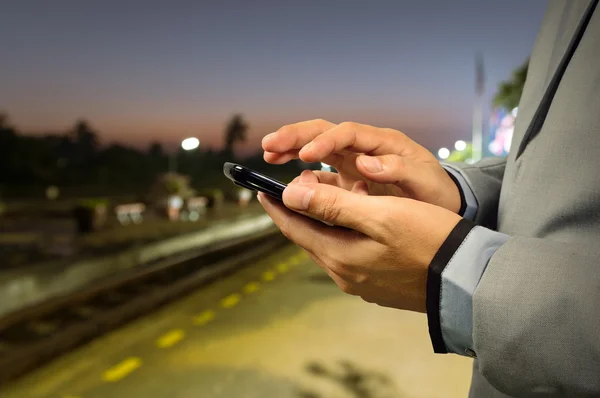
(384,253)
(387,160)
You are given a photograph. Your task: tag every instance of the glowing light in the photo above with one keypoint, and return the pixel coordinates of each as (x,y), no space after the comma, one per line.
(460,145)
(190,143)
(325,167)
(443,153)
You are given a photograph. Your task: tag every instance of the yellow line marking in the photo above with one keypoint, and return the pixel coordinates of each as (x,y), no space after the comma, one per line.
(268,276)
(231,301)
(251,287)
(297,259)
(122,369)
(170,338)
(204,317)
(283,268)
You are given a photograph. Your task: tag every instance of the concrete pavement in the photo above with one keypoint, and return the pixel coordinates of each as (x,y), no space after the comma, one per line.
(278,328)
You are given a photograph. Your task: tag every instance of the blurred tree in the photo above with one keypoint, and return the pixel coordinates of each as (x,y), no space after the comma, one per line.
(75,161)
(85,139)
(119,165)
(509,92)
(156,150)
(236,131)
(461,156)
(9,157)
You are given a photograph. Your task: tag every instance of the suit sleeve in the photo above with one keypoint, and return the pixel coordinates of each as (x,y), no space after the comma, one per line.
(485,181)
(536,319)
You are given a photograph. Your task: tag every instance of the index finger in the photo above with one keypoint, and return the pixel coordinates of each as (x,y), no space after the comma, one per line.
(295,136)
(356,137)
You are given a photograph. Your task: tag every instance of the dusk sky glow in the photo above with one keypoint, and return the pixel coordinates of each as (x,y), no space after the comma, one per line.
(143,71)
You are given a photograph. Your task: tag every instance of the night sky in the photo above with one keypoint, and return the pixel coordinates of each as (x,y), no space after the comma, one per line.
(141,71)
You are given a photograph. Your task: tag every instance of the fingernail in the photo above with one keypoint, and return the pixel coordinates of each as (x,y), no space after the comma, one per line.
(372,165)
(259,198)
(304,178)
(307,147)
(268,137)
(298,196)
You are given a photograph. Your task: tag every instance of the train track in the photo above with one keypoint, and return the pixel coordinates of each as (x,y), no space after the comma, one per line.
(38,334)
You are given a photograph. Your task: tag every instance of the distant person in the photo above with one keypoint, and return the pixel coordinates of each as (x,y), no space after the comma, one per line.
(503,255)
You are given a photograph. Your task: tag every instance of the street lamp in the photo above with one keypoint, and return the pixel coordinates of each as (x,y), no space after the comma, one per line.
(189,144)
(460,145)
(443,153)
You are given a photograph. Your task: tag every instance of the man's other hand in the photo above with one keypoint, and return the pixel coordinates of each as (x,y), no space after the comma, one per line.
(390,163)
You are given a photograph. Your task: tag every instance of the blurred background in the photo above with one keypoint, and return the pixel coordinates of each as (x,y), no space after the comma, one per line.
(130,266)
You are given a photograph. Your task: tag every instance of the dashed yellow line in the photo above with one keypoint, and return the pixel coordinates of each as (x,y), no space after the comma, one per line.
(129,365)
(170,338)
(283,268)
(122,369)
(251,287)
(231,301)
(268,276)
(204,317)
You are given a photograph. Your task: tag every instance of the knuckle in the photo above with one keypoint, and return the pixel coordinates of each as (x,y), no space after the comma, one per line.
(329,210)
(335,267)
(361,279)
(396,135)
(347,287)
(348,125)
(397,168)
(395,162)
(322,122)
(287,129)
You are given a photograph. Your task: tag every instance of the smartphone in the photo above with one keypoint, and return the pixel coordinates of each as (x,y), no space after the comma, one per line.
(253,180)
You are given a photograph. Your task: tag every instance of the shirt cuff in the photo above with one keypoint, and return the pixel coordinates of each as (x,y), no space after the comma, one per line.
(459,281)
(470,202)
(433,297)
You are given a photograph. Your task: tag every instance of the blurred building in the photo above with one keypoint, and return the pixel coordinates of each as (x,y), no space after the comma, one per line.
(501,129)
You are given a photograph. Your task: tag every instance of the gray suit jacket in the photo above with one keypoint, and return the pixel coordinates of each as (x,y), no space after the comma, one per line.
(536,311)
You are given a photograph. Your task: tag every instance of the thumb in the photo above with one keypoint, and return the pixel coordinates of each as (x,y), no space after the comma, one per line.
(387,169)
(334,205)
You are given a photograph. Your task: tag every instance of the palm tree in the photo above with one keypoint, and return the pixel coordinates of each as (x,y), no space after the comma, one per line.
(236,131)
(509,92)
(85,139)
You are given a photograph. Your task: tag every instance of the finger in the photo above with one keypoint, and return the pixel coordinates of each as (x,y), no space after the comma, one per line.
(360,188)
(311,235)
(308,177)
(327,177)
(336,206)
(360,138)
(280,158)
(387,169)
(295,136)
(314,177)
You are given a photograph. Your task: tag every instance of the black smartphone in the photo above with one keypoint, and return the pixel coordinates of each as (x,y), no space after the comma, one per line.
(253,180)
